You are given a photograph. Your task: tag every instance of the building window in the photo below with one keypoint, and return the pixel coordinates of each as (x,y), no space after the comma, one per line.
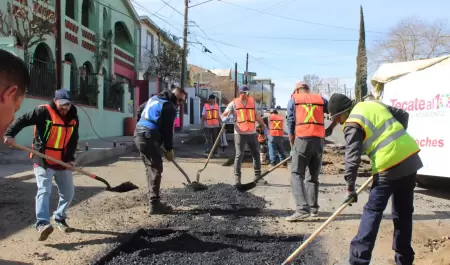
(150,39)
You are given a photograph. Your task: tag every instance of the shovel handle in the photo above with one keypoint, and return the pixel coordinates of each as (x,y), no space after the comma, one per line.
(211,152)
(61,163)
(272,169)
(182,171)
(314,235)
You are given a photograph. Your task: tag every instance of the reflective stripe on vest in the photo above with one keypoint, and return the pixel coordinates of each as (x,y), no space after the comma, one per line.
(386,141)
(56,135)
(245,115)
(212,114)
(276,125)
(309,115)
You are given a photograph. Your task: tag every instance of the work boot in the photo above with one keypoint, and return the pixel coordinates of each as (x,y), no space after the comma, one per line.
(62,225)
(44,231)
(160,208)
(314,213)
(298,217)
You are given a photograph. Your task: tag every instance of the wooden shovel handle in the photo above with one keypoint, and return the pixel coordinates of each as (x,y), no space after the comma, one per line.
(61,163)
(314,235)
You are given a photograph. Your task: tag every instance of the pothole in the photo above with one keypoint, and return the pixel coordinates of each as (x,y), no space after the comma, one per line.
(168,246)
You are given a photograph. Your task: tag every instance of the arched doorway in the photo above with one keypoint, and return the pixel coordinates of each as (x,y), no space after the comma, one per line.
(42,72)
(88,14)
(88,85)
(122,37)
(74,74)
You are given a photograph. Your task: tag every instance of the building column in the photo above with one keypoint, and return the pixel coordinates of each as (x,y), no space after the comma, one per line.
(128,104)
(66,75)
(101,90)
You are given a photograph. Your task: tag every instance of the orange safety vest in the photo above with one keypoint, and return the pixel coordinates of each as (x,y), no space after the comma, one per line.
(212,114)
(245,115)
(309,116)
(276,125)
(56,136)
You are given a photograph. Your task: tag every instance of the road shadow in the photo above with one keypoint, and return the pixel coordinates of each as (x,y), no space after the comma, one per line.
(17,203)
(9,262)
(433,186)
(115,238)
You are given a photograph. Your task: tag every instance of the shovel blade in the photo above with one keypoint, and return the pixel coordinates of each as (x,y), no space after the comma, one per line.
(245,187)
(124,187)
(197,186)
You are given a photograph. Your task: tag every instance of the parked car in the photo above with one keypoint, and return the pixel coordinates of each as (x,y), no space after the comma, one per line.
(229,125)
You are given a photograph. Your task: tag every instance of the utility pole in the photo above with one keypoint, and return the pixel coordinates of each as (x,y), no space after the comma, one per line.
(345,90)
(262,94)
(58,45)
(329,91)
(246,71)
(235,80)
(185,40)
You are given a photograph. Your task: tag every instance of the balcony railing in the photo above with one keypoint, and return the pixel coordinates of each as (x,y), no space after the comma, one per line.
(123,57)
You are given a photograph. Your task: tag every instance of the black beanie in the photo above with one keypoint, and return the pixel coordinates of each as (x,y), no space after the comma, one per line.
(338,104)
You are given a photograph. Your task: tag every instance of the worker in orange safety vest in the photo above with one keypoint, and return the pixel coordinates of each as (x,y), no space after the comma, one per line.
(276,137)
(55,135)
(211,122)
(305,120)
(245,117)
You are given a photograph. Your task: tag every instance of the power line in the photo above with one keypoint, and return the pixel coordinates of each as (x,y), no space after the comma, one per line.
(154,14)
(298,20)
(215,59)
(168,4)
(284,38)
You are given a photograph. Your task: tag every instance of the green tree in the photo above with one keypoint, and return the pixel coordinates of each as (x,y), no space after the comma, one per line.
(361,61)
(166,63)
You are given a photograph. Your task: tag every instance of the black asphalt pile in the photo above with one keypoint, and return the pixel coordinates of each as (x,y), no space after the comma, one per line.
(215,226)
(194,248)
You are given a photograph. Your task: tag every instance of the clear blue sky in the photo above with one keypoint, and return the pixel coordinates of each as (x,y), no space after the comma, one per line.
(289,49)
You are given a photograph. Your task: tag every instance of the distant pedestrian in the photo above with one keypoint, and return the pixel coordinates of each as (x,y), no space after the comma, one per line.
(55,135)
(244,111)
(154,129)
(379,131)
(305,118)
(211,122)
(14,80)
(276,137)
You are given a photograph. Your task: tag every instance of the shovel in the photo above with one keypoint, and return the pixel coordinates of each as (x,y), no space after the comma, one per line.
(124,187)
(195,186)
(251,185)
(314,235)
(211,153)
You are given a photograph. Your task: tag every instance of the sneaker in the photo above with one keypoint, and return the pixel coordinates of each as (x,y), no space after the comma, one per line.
(63,226)
(44,231)
(160,208)
(314,213)
(297,217)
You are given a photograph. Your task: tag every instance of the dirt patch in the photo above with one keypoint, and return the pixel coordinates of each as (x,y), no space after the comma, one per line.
(169,246)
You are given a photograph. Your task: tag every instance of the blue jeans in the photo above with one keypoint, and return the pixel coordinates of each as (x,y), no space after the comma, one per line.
(276,148)
(402,192)
(64,181)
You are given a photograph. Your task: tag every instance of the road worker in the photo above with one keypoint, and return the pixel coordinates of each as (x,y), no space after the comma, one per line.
(276,137)
(379,131)
(243,109)
(211,122)
(14,80)
(55,135)
(305,118)
(154,129)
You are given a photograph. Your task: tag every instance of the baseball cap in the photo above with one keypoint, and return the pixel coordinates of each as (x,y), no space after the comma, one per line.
(63,96)
(244,89)
(212,96)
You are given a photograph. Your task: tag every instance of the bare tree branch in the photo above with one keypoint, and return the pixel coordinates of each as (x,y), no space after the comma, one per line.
(166,63)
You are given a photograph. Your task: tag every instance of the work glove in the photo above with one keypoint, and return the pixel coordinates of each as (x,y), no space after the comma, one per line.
(169,155)
(225,119)
(352,196)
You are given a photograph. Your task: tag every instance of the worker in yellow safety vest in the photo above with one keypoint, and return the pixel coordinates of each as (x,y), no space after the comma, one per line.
(210,122)
(379,131)
(243,109)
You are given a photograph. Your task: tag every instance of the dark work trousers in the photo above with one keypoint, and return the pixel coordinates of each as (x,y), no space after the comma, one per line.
(240,140)
(402,192)
(150,152)
(276,149)
(211,136)
(307,153)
